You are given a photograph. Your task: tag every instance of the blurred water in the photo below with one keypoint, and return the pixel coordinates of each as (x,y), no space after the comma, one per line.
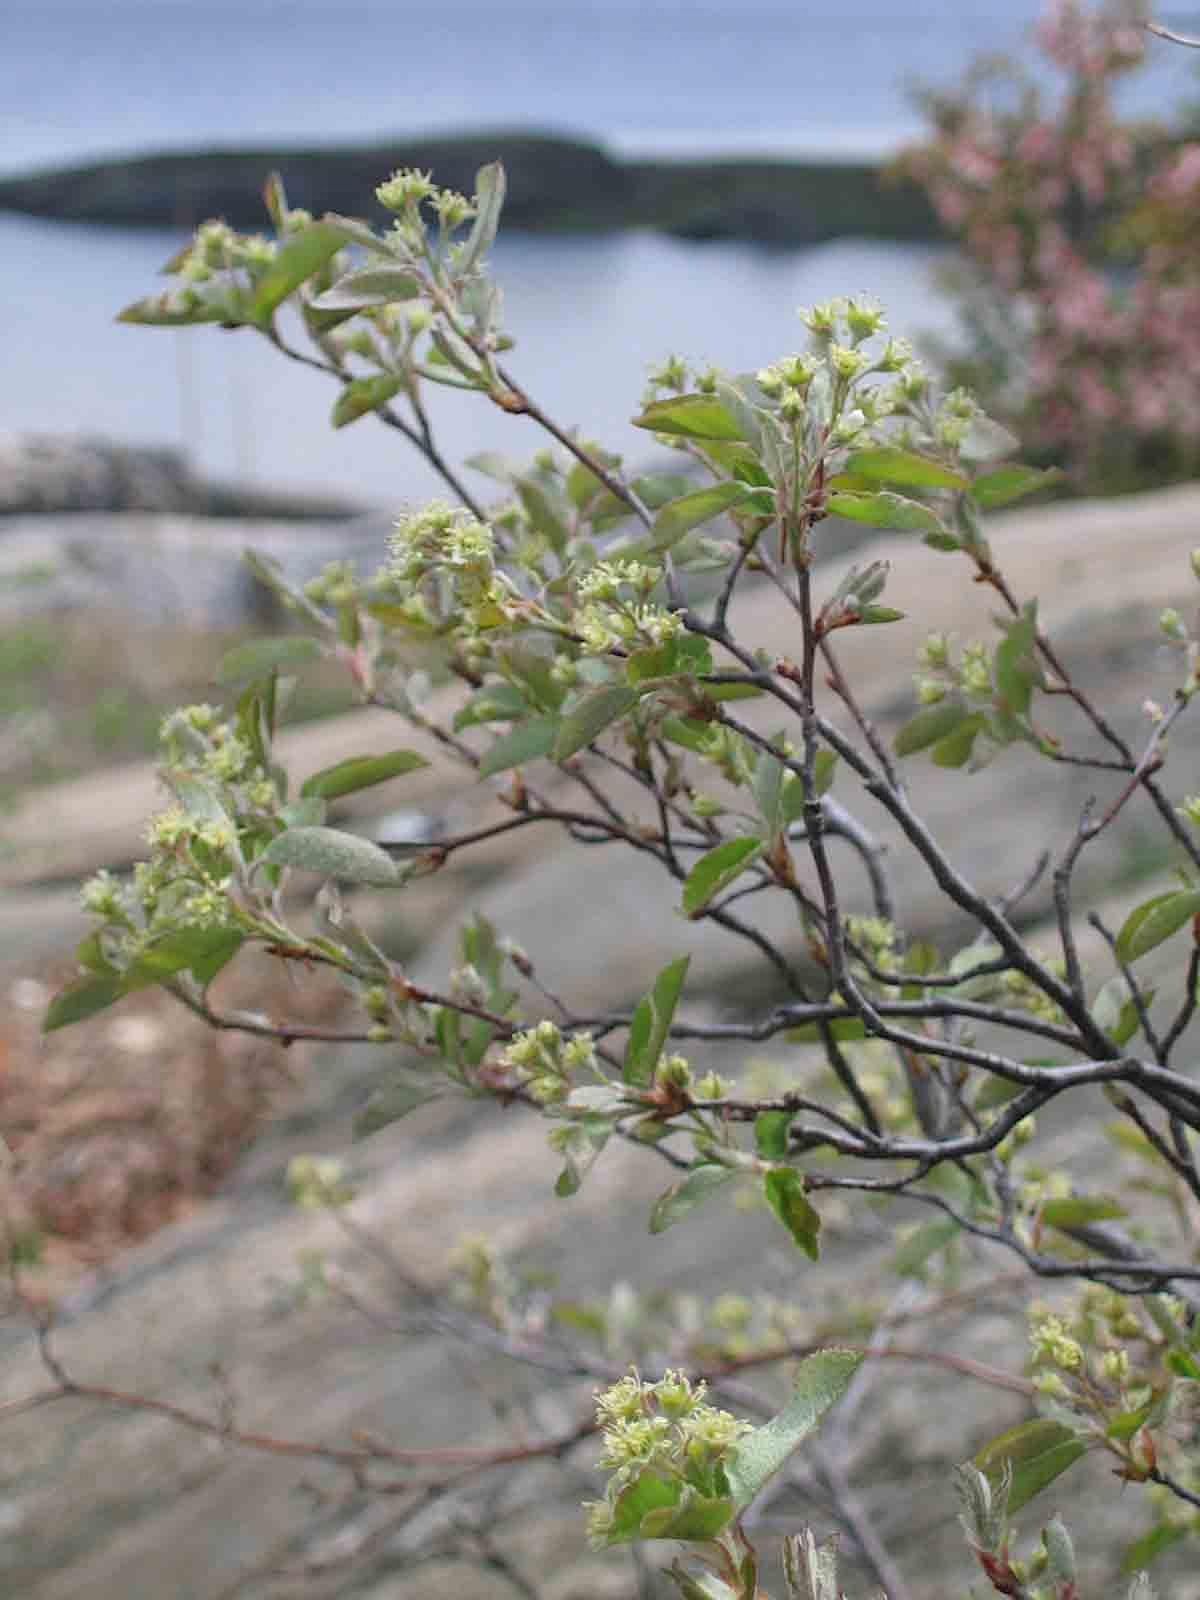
(589,315)
(81,78)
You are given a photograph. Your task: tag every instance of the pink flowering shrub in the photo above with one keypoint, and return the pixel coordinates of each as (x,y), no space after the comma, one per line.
(1081,284)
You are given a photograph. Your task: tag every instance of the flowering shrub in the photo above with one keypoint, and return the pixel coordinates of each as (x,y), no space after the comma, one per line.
(580,628)
(1081,289)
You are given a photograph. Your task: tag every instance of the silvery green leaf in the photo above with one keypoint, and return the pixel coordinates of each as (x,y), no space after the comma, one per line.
(332,854)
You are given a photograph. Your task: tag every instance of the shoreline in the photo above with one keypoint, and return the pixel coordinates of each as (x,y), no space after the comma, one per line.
(556,184)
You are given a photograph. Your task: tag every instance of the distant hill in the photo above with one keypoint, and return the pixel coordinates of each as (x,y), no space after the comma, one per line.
(555,184)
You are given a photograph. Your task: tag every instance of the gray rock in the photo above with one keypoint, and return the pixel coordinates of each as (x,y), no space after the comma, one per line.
(168,566)
(41,473)
(123,1506)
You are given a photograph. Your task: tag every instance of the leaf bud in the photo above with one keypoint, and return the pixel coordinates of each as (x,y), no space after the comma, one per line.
(1172,624)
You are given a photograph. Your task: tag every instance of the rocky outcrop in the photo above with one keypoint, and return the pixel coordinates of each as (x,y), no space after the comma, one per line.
(555,184)
(169,566)
(40,473)
(43,473)
(114,1504)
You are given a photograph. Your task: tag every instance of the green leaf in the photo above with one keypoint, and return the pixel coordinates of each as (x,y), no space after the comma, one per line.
(601,1099)
(353,231)
(1006,484)
(495,702)
(369,286)
(1076,1210)
(1154,921)
(361,772)
(1126,1423)
(914,1251)
(693,510)
(1151,1545)
(685,655)
(489,202)
(528,741)
(362,396)
(1115,1011)
(886,510)
(332,854)
(954,749)
(987,440)
(873,614)
(389,1103)
(645,1494)
(997,1092)
(696,1518)
(771,1134)
(200,951)
(769,794)
(821,1381)
(845,1030)
(733,691)
(170,310)
(689,733)
(260,657)
(690,416)
(683,1197)
(544,515)
(889,465)
(309,812)
(1036,1452)
(929,726)
(81,1000)
(1016,669)
(579,1144)
(593,713)
(784,1189)
(91,957)
(942,540)
(296,260)
(657,489)
(651,1023)
(716,871)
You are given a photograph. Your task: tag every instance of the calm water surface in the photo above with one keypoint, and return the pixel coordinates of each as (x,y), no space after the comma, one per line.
(82,78)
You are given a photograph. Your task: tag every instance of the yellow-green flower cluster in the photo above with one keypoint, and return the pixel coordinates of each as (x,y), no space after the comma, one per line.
(448,542)
(954,417)
(1054,1346)
(546,1062)
(793,375)
(618,579)
(336,584)
(1026,994)
(101,896)
(602,628)
(671,377)
(668,1429)
(616,613)
(876,938)
(408,186)
(317,1183)
(218,248)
